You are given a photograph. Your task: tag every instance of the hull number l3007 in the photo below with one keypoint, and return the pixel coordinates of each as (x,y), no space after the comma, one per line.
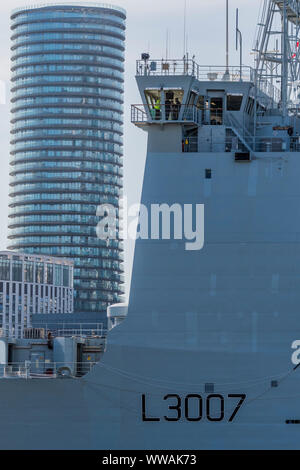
(211,408)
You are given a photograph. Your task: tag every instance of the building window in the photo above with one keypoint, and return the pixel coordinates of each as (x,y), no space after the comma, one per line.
(39,273)
(17,267)
(66,276)
(4,268)
(28,271)
(57,275)
(49,274)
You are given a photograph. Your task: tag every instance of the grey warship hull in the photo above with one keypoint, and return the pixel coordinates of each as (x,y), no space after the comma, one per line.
(185,333)
(207,357)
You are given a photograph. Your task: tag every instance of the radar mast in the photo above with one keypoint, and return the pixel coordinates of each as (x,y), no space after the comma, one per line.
(277,49)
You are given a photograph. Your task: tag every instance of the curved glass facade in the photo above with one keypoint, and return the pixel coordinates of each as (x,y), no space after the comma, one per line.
(66,135)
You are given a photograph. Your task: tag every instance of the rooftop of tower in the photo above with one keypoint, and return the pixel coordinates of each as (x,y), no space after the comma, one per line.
(70,4)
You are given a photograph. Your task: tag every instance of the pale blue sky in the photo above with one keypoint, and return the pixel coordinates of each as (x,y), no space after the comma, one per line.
(147,24)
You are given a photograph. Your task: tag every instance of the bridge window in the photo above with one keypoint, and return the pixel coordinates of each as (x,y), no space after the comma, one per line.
(234,102)
(250,105)
(173,102)
(200,102)
(153,98)
(170,109)
(260,109)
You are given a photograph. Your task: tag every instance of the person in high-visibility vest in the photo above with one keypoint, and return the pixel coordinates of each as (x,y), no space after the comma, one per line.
(157,108)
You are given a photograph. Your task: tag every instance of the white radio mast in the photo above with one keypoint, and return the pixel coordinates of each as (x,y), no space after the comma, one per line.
(184,28)
(227,74)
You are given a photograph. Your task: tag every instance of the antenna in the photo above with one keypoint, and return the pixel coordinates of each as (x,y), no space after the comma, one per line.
(237,29)
(167,44)
(187,44)
(227,74)
(227,40)
(184,29)
(239,38)
(284,52)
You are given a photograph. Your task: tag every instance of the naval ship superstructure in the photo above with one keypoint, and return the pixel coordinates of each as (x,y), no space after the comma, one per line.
(205,357)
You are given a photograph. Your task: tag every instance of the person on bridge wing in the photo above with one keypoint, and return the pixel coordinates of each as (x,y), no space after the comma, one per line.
(157,108)
(176,109)
(169,104)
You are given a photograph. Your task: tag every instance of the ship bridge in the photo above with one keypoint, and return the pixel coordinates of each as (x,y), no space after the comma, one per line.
(179,91)
(209,108)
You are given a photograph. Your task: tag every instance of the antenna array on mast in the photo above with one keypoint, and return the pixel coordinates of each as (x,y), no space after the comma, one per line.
(277,48)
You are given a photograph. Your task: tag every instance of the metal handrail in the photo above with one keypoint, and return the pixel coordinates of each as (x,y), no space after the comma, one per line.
(237,143)
(245,135)
(217,73)
(259,144)
(190,67)
(141,113)
(49,369)
(55,330)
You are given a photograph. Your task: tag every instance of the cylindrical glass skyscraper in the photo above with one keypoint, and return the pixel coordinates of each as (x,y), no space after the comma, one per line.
(67,117)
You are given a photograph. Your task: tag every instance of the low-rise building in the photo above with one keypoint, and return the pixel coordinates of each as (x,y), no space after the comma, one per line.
(31,284)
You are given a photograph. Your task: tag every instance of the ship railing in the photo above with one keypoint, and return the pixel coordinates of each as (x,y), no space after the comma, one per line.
(195,145)
(190,67)
(190,144)
(45,369)
(165,113)
(212,73)
(240,130)
(139,114)
(233,144)
(268,94)
(69,332)
(47,330)
(75,329)
(182,113)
